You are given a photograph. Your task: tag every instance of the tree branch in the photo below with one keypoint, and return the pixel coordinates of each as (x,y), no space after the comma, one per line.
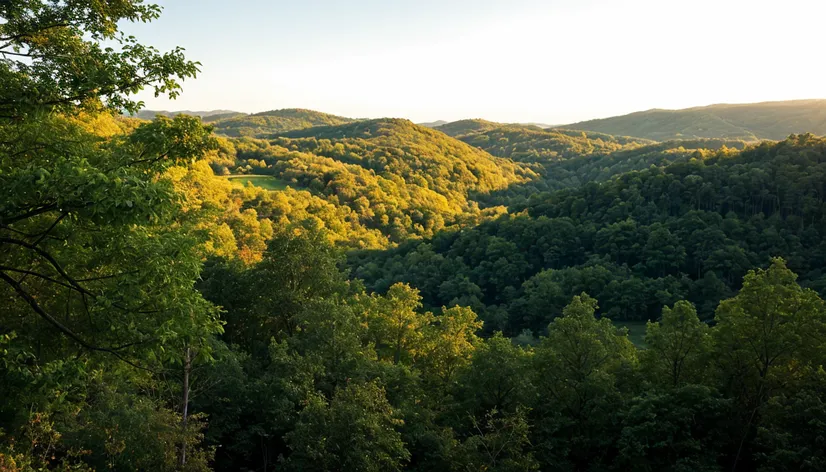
(38,275)
(29,214)
(104,277)
(69,333)
(51,260)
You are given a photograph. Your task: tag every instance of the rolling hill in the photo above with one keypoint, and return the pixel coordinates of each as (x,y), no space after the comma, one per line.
(687,229)
(206,116)
(749,122)
(463,127)
(469,122)
(433,124)
(397,146)
(600,166)
(276,122)
(402,179)
(532,144)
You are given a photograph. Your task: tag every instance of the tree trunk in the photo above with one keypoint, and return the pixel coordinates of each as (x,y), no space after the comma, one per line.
(185,405)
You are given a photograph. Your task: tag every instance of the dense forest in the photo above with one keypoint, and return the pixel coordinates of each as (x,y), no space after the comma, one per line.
(688,230)
(395,177)
(398,297)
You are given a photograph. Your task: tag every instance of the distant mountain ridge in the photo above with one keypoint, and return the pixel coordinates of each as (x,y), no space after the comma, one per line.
(150,114)
(748,121)
(237,124)
(438,123)
(468,126)
(433,124)
(476,125)
(274,122)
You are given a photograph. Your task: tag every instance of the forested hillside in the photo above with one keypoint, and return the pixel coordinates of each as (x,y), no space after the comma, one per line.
(748,122)
(237,124)
(433,124)
(206,116)
(567,158)
(465,127)
(401,179)
(400,297)
(532,144)
(690,230)
(601,165)
(275,122)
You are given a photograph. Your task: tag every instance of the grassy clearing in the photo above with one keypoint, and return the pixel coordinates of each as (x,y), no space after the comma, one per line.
(264,181)
(636,331)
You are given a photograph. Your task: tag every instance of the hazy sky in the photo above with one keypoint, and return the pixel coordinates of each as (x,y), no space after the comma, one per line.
(552,61)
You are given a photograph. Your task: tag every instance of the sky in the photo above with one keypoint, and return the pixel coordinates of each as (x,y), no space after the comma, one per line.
(551,61)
